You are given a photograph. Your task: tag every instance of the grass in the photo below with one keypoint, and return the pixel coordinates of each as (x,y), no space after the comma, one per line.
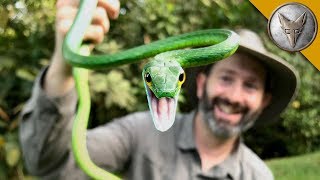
(304,167)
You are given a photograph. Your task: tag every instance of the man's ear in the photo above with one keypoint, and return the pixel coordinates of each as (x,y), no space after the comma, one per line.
(201,81)
(267,97)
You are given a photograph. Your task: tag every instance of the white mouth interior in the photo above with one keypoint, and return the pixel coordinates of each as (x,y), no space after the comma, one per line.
(163,111)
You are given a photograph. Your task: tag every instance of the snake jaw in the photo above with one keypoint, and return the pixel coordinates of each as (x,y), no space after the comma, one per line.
(163,110)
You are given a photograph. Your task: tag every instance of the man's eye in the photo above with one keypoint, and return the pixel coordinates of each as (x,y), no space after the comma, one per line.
(251,86)
(226,78)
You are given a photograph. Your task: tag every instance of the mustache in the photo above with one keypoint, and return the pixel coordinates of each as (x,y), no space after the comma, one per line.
(237,107)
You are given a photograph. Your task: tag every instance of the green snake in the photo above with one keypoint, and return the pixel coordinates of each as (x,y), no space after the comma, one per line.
(163,76)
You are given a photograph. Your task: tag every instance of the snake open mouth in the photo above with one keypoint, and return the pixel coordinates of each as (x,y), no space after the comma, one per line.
(163,110)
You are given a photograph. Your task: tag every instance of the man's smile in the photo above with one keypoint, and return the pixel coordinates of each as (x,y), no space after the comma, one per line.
(230,113)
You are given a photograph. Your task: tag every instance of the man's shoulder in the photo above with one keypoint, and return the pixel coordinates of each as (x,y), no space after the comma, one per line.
(253,163)
(140,119)
(139,115)
(143,119)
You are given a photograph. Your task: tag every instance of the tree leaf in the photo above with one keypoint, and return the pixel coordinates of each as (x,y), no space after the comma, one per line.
(12,153)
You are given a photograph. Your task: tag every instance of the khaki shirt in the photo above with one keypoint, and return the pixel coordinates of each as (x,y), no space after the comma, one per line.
(129,145)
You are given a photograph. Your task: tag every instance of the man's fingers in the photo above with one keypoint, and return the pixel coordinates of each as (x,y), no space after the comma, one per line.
(94,33)
(64,25)
(112,7)
(66,12)
(73,3)
(101,18)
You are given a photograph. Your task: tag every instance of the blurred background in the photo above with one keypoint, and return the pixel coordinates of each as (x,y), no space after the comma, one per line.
(26,45)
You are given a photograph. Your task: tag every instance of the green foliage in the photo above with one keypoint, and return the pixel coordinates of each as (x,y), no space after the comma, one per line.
(10,156)
(27,41)
(302,118)
(25,31)
(296,168)
(298,129)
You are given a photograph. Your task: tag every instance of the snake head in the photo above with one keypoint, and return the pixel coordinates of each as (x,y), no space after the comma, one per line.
(163,80)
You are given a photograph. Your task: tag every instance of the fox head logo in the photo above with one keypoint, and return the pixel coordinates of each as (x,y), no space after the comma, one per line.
(292,28)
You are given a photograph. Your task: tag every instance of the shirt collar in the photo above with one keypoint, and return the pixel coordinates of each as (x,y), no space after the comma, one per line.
(231,165)
(186,141)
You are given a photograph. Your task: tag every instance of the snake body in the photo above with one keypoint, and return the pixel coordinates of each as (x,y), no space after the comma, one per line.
(163,76)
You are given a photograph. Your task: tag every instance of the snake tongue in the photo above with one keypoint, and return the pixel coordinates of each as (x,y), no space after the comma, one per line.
(163,111)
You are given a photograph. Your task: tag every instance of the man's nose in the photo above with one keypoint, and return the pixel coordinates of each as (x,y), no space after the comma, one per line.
(235,94)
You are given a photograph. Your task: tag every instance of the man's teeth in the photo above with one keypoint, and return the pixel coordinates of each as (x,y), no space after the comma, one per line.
(226,108)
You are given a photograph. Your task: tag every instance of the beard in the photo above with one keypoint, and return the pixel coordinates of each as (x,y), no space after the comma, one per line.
(221,128)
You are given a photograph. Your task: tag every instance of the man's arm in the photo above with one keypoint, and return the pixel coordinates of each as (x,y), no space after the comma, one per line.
(45,135)
(47,118)
(59,79)
(45,129)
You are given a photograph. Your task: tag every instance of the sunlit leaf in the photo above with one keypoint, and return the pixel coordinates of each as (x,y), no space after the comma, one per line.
(2,141)
(12,153)
(25,74)
(4,19)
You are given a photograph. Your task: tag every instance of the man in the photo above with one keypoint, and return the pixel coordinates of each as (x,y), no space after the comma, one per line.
(252,85)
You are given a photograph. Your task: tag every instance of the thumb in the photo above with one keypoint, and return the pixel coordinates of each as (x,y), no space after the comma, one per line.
(74,3)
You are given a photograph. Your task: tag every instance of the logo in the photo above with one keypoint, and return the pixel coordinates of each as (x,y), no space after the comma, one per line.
(292,27)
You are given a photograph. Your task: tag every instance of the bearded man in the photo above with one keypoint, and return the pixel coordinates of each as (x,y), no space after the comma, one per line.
(251,86)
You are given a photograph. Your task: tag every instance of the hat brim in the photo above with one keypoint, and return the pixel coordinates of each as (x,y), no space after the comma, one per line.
(284,83)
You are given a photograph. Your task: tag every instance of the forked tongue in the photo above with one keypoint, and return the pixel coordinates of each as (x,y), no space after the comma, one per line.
(164,111)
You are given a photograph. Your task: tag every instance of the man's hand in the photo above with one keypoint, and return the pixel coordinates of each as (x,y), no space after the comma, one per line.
(59,76)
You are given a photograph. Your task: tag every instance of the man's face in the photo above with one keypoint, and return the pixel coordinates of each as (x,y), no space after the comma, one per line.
(232,96)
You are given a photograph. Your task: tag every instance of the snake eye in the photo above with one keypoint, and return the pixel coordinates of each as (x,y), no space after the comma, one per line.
(148,78)
(182,77)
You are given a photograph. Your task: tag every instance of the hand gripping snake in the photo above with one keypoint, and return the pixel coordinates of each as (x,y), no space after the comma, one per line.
(163,76)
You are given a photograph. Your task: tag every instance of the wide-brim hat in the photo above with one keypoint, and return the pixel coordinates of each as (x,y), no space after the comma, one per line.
(284,78)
